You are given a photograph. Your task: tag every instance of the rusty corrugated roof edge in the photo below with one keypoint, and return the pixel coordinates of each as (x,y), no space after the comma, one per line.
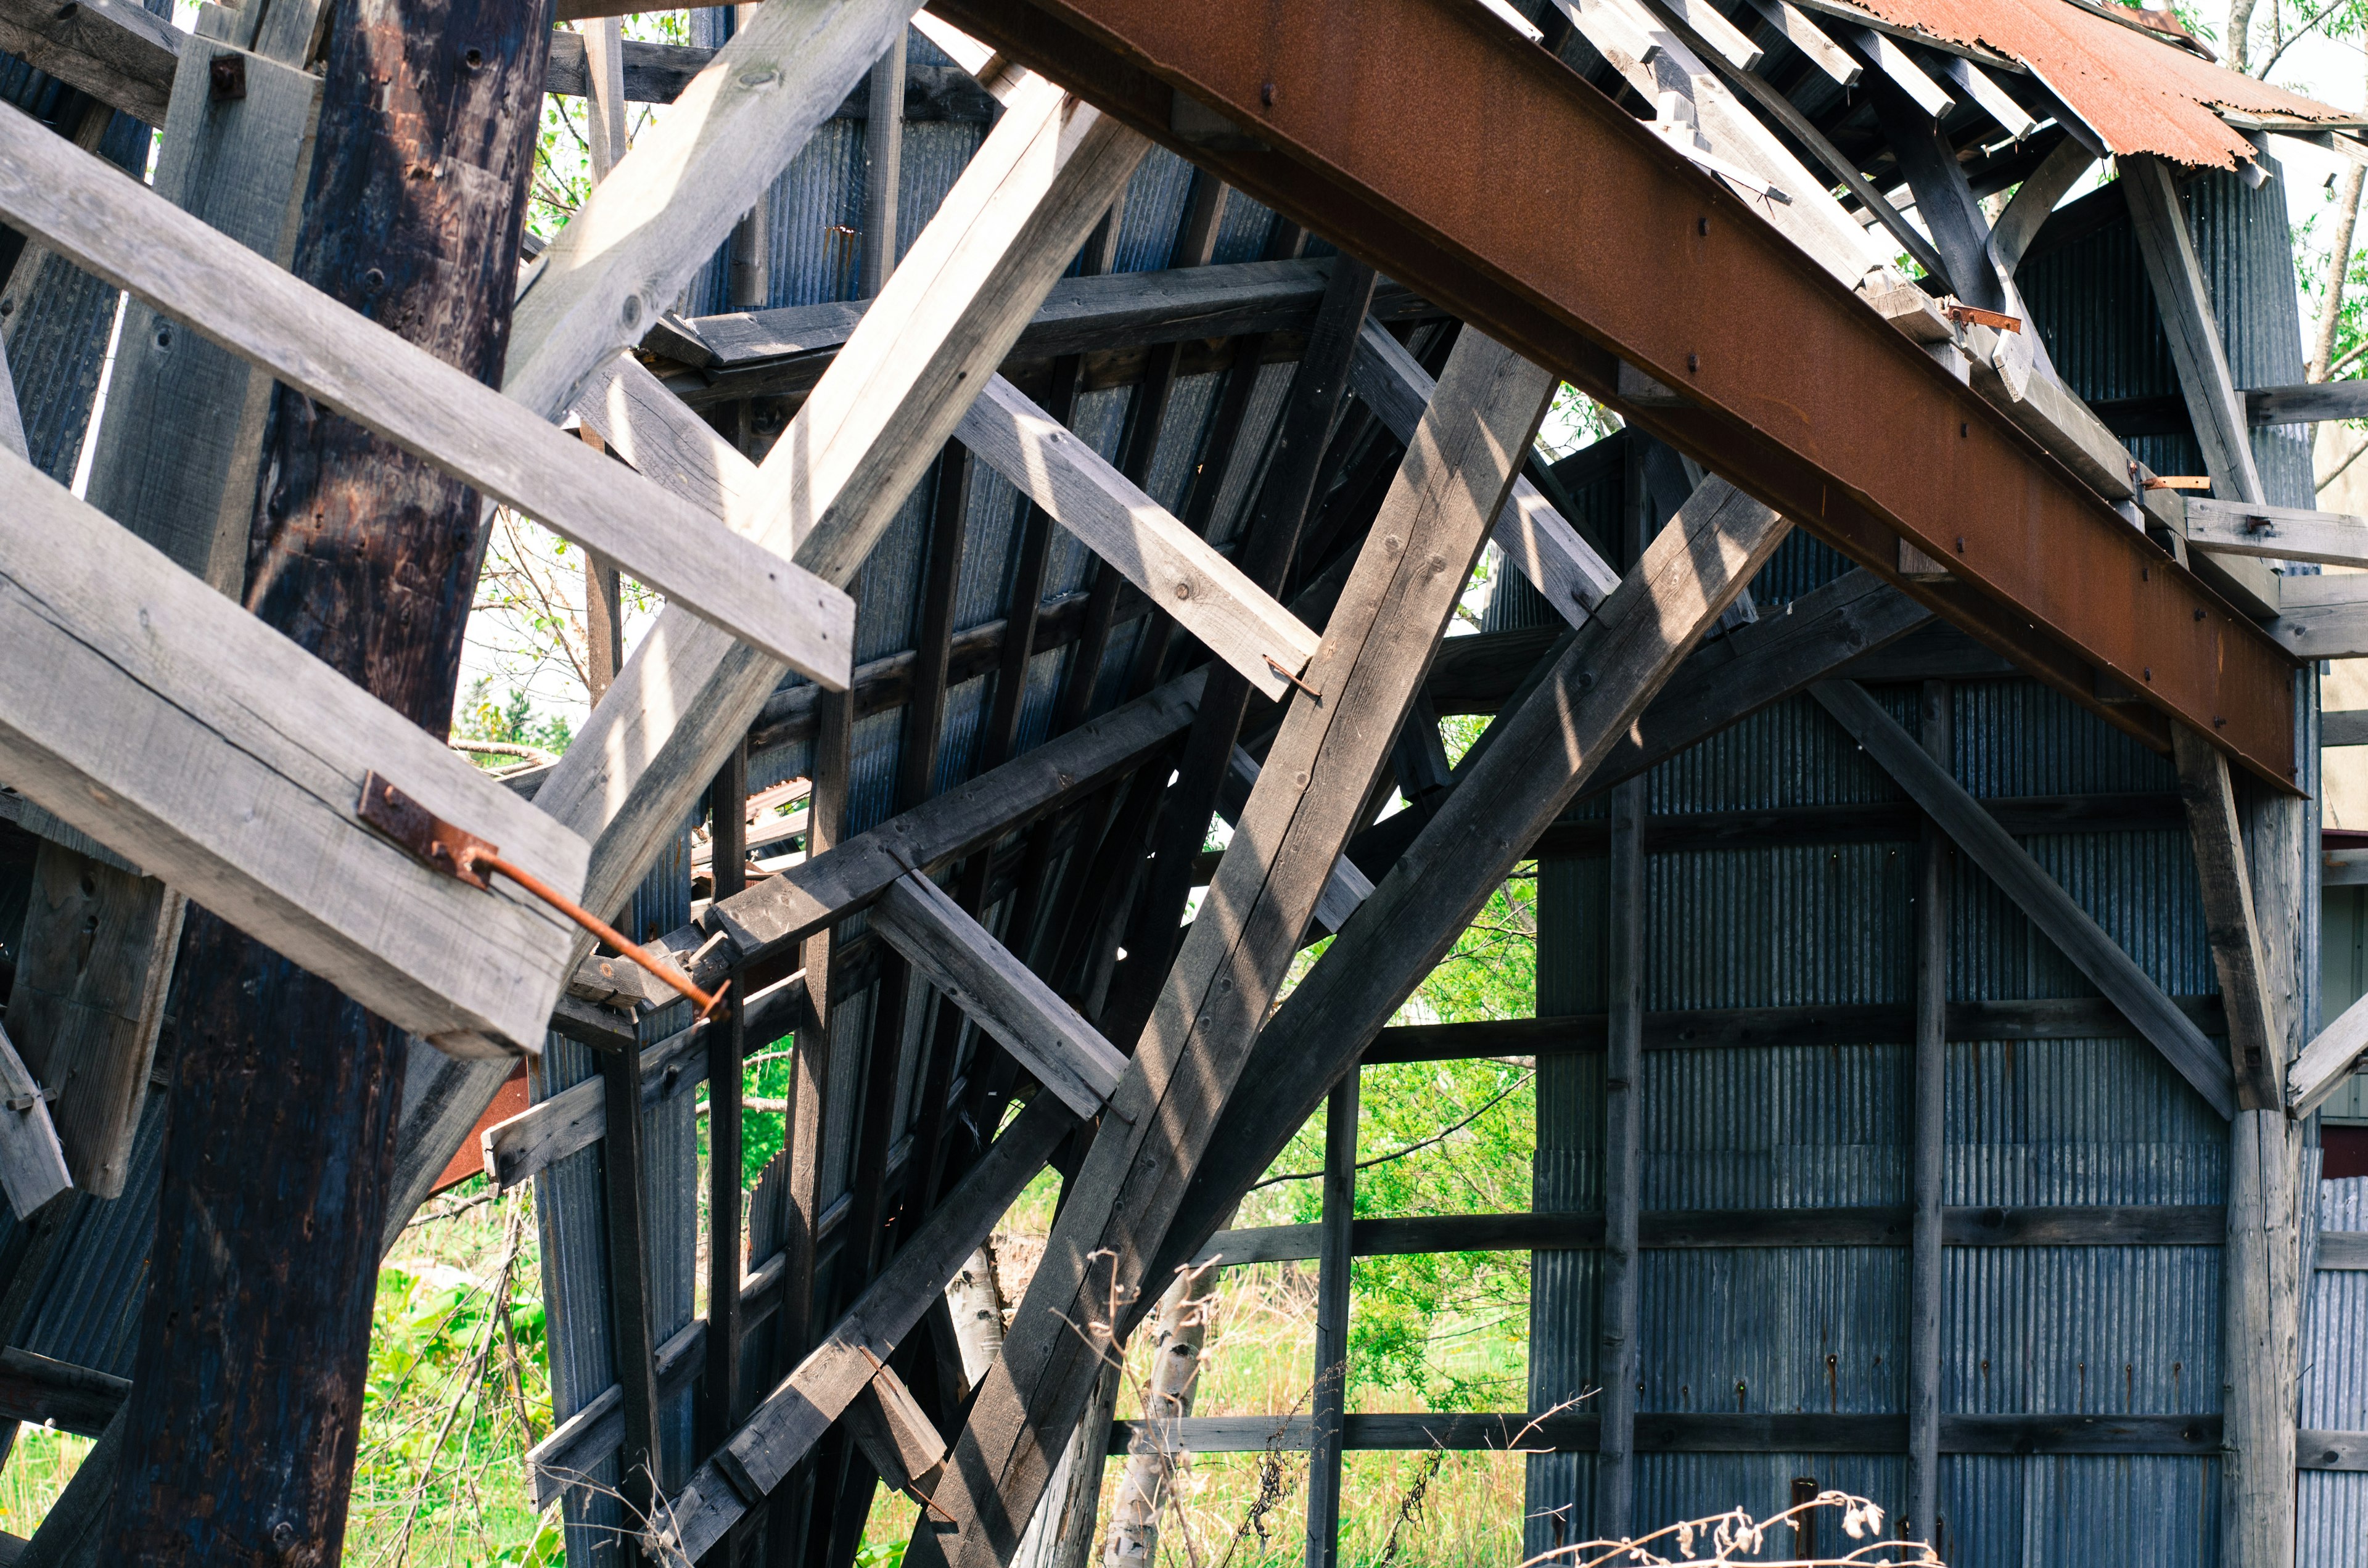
(2138,89)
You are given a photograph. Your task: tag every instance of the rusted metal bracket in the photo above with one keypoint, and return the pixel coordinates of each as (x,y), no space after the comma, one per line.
(1974,315)
(461,855)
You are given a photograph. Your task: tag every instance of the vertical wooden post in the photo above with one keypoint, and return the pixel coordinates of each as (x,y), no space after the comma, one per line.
(621,1165)
(1617,1358)
(884,156)
(727,860)
(2262,1288)
(1329,1407)
(1927,1149)
(749,273)
(241,1427)
(801,1139)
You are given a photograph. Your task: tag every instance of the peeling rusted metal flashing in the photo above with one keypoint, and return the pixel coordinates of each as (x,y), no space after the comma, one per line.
(1435,143)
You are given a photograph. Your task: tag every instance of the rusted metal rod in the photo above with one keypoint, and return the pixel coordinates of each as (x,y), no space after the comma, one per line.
(471,858)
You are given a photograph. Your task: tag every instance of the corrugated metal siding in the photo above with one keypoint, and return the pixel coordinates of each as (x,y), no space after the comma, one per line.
(2062,1121)
(2331,1506)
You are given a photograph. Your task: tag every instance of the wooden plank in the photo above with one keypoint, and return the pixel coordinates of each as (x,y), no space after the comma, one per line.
(1274,523)
(2034,202)
(550,1130)
(1544,752)
(883,161)
(1665,1433)
(2074,931)
(2343,1249)
(2277,533)
(719,1406)
(113,226)
(1928,1155)
(2255,1037)
(1696,1230)
(250,760)
(789,1422)
(1756,665)
(2323,617)
(1804,35)
(1896,65)
(1308,801)
(2331,1451)
(1347,887)
(32,1162)
(177,445)
(116,50)
(925,705)
(1978,85)
(1620,1332)
(2344,727)
(88,999)
(183,425)
(828,887)
(2184,303)
(1726,1029)
(1002,996)
(1723,35)
(627,252)
(631,1339)
(48,1393)
(1328,1402)
(850,457)
(1538,540)
(1181,572)
(896,1435)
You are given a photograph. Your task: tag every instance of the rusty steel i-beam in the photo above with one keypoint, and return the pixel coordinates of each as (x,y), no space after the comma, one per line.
(1467,163)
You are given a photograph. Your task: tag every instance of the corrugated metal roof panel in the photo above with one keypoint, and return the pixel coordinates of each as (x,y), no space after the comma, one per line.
(2139,92)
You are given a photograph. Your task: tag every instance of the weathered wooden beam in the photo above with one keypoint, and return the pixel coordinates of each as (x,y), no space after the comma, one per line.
(1619,1328)
(1675,1230)
(2277,533)
(832,885)
(32,1162)
(896,1435)
(1570,1431)
(1773,1028)
(1346,888)
(174,462)
(117,228)
(1928,1153)
(2217,833)
(243,787)
(116,50)
(1537,539)
(1001,994)
(1542,754)
(1180,571)
(1328,1396)
(1309,799)
(2074,931)
(2323,617)
(798,1411)
(2184,302)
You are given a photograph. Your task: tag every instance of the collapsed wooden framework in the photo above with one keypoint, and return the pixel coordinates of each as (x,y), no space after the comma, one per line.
(1009,929)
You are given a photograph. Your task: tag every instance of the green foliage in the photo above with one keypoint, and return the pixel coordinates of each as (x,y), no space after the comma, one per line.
(459,1372)
(1450,1329)
(512,720)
